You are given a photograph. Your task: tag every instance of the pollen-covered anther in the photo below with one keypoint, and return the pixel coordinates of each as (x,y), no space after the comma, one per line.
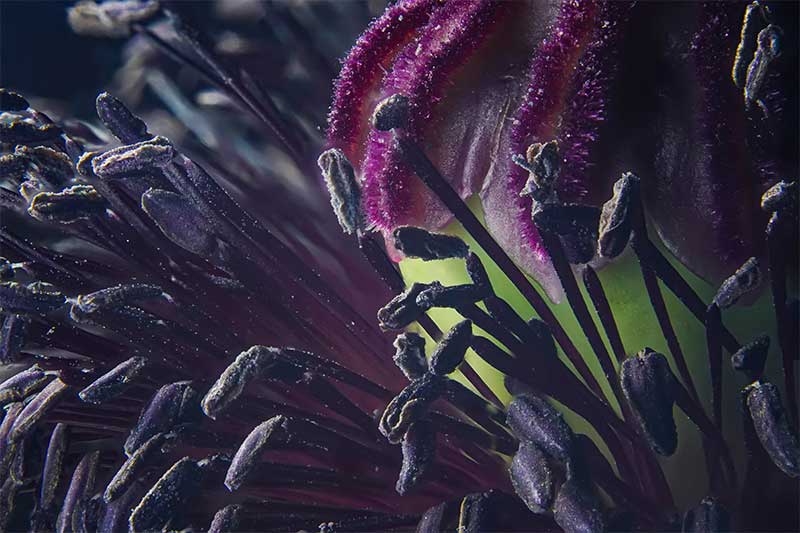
(183,224)
(649,387)
(391,113)
(772,427)
(754,18)
(343,188)
(37,409)
(11,101)
(454,296)
(111,18)
(782,195)
(134,466)
(422,244)
(247,366)
(70,205)
(543,163)
(133,159)
(12,335)
(473,512)
(410,406)
(130,293)
(118,119)
(410,355)
(577,509)
(751,358)
(276,429)
(80,488)
(402,310)
(419,452)
(167,496)
(707,517)
(449,353)
(576,225)
(532,418)
(53,466)
(746,279)
(172,405)
(226,520)
(532,477)
(617,216)
(768,49)
(21,385)
(113,382)
(50,166)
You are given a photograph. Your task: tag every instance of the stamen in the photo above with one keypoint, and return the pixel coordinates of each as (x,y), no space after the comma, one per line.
(449,353)
(419,452)
(709,516)
(533,419)
(250,451)
(431,520)
(532,477)
(402,310)
(752,357)
(182,223)
(80,487)
(133,159)
(133,466)
(120,295)
(390,113)
(746,279)
(37,408)
(172,405)
(648,384)
(226,520)
(53,167)
(781,196)
(574,224)
(772,427)
(768,49)
(344,190)
(543,162)
(455,296)
(577,509)
(116,514)
(477,273)
(248,365)
(409,406)
(53,467)
(118,119)
(11,101)
(70,205)
(409,357)
(29,299)
(617,216)
(109,19)
(753,19)
(422,244)
(20,386)
(474,508)
(169,494)
(23,132)
(426,171)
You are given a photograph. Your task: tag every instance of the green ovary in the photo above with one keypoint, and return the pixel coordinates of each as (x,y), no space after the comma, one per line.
(624,287)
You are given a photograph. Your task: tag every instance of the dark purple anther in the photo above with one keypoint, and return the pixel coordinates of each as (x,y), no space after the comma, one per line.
(772,427)
(708,517)
(449,353)
(419,452)
(533,419)
(410,355)
(422,244)
(532,477)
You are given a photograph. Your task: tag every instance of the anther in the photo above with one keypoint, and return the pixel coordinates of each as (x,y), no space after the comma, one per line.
(134,466)
(267,433)
(772,427)
(449,353)
(752,21)
(409,406)
(70,205)
(80,487)
(343,188)
(649,387)
(166,496)
(226,520)
(53,466)
(543,163)
(532,477)
(477,273)
(780,196)
(576,225)
(532,418)
(229,386)
(172,405)
(402,310)
(455,296)
(410,355)
(473,512)
(391,113)
(768,49)
(707,517)
(37,408)
(617,216)
(419,452)
(118,119)
(422,244)
(576,508)
(28,299)
(133,159)
(20,386)
(746,279)
(120,295)
(113,382)
(109,19)
(11,101)
(751,358)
